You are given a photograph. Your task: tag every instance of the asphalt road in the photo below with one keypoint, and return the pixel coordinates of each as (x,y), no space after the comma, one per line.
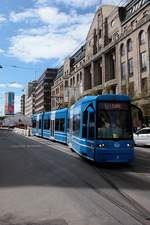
(45,183)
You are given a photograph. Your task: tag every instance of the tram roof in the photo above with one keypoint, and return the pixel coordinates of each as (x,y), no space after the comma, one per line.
(108,97)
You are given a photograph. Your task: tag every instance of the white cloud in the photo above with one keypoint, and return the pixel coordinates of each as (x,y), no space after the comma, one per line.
(2,19)
(15,85)
(79,3)
(18,17)
(58,36)
(35,48)
(114,2)
(73,3)
(3,85)
(1,51)
(11,85)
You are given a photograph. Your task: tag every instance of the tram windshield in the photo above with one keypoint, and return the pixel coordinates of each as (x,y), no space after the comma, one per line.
(114,120)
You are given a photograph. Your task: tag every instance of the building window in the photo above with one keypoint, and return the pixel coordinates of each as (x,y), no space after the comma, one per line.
(100,33)
(144,85)
(129,45)
(66,83)
(123,90)
(130,67)
(80,76)
(123,70)
(112,23)
(143,63)
(131,89)
(77,78)
(142,37)
(71,82)
(122,50)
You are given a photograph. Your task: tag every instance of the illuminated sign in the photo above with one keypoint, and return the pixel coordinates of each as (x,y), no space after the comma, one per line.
(113,105)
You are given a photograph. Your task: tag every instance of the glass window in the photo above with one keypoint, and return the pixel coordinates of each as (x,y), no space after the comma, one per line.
(91,125)
(122,50)
(144,85)
(76,124)
(80,76)
(123,70)
(142,37)
(33,123)
(60,124)
(143,61)
(129,45)
(47,124)
(130,67)
(40,124)
(113,121)
(84,124)
(142,132)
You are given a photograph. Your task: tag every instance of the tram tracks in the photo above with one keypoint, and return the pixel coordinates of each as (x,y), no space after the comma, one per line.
(127,204)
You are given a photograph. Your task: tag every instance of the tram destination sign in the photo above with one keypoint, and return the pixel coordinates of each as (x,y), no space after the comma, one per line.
(113,105)
(134,7)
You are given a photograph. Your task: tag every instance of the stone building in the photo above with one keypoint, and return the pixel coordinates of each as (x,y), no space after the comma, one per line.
(43,91)
(30,98)
(22,104)
(117,56)
(57,90)
(68,85)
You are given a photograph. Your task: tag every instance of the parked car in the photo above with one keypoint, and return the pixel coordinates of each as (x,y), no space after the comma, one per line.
(142,137)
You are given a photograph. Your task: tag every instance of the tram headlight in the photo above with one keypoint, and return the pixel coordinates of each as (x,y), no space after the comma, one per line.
(130,145)
(101,145)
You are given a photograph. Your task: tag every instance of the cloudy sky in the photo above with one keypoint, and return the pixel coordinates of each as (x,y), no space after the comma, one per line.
(36,34)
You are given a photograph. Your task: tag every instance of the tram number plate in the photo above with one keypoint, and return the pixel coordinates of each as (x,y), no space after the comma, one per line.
(116,145)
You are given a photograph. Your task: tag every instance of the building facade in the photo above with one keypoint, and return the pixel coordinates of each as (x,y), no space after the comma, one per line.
(43,91)
(117,57)
(22,104)
(9,103)
(68,85)
(30,98)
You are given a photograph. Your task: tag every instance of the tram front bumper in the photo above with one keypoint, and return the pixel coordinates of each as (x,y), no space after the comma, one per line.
(114,155)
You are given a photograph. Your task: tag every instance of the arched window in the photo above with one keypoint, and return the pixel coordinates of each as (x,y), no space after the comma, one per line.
(122,50)
(142,37)
(80,76)
(71,82)
(129,45)
(77,78)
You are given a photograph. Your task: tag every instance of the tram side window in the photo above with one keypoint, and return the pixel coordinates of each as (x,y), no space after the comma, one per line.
(84,125)
(76,124)
(40,124)
(60,125)
(91,126)
(46,124)
(34,123)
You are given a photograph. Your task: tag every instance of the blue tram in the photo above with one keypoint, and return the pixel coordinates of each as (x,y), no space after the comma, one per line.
(97,127)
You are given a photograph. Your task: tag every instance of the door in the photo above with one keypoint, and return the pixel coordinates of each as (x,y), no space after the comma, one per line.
(91,132)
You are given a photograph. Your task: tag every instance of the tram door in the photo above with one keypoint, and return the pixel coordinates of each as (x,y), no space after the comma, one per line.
(90,131)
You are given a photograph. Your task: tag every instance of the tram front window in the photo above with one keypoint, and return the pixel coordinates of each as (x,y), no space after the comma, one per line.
(113,121)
